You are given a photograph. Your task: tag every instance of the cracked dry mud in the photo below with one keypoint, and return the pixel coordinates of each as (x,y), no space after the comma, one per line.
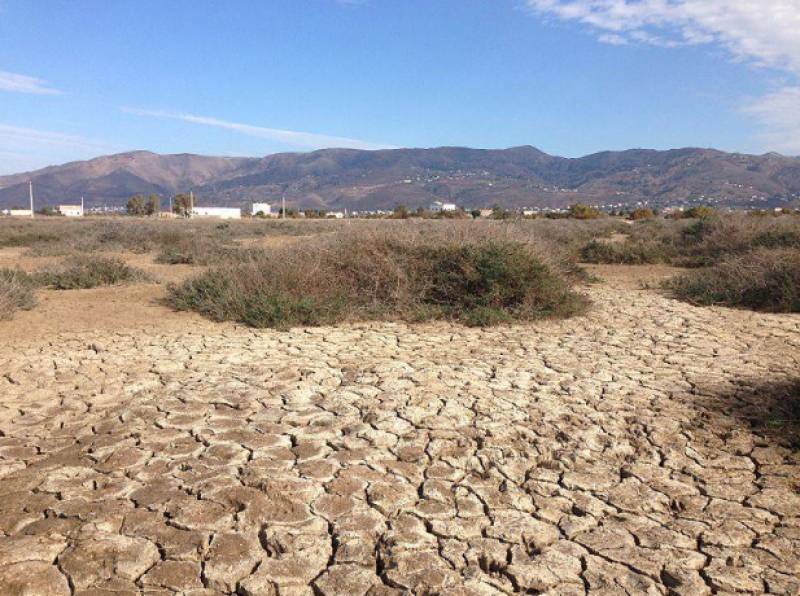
(620,453)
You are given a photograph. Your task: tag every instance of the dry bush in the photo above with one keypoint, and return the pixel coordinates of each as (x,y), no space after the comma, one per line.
(764,279)
(697,243)
(195,250)
(629,252)
(79,273)
(648,241)
(59,236)
(711,239)
(16,292)
(448,270)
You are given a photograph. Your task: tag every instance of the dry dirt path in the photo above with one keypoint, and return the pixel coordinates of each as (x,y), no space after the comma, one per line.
(620,453)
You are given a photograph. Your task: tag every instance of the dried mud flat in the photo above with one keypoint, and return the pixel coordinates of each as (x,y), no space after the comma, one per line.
(638,450)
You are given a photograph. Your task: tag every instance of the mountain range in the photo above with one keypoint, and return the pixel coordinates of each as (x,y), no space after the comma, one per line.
(368,180)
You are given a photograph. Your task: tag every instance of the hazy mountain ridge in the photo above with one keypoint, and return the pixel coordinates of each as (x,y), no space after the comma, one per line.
(363,180)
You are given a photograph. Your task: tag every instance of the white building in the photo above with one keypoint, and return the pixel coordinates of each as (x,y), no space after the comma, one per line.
(71,210)
(18,212)
(219,212)
(261,209)
(335,215)
(438,207)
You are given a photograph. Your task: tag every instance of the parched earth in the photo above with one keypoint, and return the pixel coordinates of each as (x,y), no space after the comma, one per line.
(643,449)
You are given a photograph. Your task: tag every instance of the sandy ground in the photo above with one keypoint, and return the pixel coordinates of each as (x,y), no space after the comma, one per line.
(641,449)
(126,308)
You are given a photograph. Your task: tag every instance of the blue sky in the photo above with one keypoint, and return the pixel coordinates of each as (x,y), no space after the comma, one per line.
(83,78)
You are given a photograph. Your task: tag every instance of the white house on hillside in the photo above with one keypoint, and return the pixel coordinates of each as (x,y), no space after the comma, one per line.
(219,212)
(438,207)
(261,209)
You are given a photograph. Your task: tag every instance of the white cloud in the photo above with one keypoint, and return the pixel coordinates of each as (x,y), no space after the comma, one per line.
(29,148)
(763,32)
(307,140)
(18,83)
(26,137)
(778,113)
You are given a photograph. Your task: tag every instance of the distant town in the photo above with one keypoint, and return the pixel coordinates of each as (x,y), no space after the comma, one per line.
(186,205)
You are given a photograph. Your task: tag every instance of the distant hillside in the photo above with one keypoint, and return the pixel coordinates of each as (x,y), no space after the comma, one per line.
(365,180)
(113,179)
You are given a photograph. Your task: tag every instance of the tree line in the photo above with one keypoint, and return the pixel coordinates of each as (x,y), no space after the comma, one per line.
(140,205)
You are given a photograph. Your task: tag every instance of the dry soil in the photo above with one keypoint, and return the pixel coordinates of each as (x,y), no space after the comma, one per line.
(642,449)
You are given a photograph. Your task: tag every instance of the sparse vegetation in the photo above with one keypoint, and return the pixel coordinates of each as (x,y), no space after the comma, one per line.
(716,238)
(16,292)
(765,279)
(196,250)
(628,252)
(80,273)
(695,243)
(416,275)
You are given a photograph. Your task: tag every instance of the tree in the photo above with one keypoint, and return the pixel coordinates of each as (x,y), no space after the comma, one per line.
(499,213)
(136,205)
(581,211)
(642,213)
(153,205)
(699,212)
(182,204)
(475,213)
(400,212)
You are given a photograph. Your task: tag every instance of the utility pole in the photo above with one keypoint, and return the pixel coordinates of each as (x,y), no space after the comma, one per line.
(170,203)
(191,203)
(30,194)
(82,211)
(283,206)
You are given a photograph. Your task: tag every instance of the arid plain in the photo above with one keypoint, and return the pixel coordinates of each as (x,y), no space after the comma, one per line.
(647,446)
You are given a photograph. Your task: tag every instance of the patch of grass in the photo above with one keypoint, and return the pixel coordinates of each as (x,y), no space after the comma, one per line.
(80,273)
(764,279)
(26,238)
(189,251)
(16,292)
(201,251)
(414,275)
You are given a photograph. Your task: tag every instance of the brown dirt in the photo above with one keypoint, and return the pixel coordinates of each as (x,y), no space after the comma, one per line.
(124,308)
(635,276)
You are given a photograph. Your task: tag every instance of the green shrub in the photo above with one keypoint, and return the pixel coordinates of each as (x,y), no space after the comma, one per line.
(765,279)
(581,211)
(698,212)
(366,276)
(89,272)
(492,280)
(642,213)
(628,252)
(16,292)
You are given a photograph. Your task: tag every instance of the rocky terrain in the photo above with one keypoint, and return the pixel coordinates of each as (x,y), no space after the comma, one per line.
(367,180)
(642,449)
